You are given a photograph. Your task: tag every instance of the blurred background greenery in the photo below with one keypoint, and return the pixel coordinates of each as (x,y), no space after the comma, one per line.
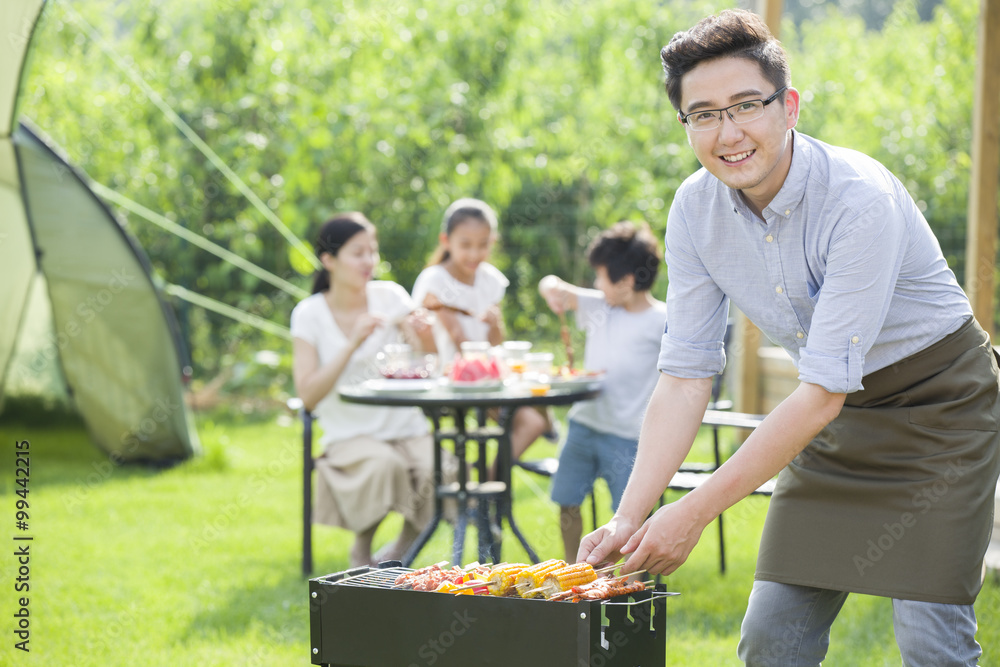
(551,110)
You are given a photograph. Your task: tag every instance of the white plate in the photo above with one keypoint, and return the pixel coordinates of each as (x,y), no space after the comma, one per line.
(478,385)
(558,380)
(396,385)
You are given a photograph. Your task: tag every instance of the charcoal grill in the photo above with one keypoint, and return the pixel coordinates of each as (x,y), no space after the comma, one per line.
(358,619)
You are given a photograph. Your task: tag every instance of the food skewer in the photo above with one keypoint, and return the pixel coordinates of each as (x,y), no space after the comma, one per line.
(601,589)
(407,579)
(567,342)
(532,577)
(571,576)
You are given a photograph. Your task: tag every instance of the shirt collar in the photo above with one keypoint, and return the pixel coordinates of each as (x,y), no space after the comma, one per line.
(792,190)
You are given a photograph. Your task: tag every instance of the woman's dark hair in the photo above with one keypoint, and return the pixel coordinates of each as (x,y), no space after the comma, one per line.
(458,212)
(733,33)
(334,233)
(627,248)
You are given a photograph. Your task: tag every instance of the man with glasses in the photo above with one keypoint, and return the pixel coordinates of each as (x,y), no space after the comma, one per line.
(888,448)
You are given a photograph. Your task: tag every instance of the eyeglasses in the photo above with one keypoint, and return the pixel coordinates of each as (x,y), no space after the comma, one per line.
(741,112)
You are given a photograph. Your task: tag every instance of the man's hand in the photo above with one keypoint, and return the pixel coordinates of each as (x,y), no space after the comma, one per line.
(603,546)
(665,540)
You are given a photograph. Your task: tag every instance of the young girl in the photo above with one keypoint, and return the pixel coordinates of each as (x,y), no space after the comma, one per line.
(459,285)
(375,459)
(464,291)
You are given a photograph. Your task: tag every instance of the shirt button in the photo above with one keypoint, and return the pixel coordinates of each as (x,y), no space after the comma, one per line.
(788,211)
(799,334)
(768,238)
(779,289)
(855,340)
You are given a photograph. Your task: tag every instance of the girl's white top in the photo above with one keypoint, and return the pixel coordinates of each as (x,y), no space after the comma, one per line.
(487,289)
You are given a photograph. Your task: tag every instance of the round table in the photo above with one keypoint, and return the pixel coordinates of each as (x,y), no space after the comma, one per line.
(494,404)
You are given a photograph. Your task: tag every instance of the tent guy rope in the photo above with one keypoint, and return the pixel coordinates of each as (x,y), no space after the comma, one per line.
(198,240)
(191,135)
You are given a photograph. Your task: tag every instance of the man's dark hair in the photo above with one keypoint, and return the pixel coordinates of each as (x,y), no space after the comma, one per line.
(627,248)
(734,33)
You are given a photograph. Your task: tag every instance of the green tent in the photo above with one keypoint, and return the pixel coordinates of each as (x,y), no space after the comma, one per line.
(81,320)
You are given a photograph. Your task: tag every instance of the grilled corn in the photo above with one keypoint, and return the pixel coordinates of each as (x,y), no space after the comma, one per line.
(502,578)
(532,577)
(566,578)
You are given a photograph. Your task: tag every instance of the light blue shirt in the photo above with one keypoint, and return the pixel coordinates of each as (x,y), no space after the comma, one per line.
(843,271)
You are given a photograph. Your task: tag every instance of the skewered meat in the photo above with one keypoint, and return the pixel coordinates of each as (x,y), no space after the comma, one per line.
(406,579)
(601,589)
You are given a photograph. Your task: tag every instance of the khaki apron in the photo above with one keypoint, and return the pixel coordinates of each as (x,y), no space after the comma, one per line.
(895,496)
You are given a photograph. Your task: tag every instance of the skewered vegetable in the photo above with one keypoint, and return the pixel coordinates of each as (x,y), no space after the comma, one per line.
(566,578)
(502,578)
(531,578)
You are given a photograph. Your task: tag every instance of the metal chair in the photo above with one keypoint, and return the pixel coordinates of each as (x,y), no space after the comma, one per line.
(308,466)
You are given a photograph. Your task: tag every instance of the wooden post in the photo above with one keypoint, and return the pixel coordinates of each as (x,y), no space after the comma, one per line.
(770,11)
(981,245)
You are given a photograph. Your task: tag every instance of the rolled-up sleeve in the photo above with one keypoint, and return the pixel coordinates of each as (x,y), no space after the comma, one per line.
(863,265)
(697,309)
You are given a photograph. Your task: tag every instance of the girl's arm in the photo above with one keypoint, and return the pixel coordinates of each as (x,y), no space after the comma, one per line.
(559,294)
(494,318)
(448,317)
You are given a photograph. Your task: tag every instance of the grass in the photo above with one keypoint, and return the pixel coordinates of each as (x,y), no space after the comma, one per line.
(199,564)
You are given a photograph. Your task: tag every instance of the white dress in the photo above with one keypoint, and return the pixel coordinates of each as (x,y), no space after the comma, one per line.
(375,458)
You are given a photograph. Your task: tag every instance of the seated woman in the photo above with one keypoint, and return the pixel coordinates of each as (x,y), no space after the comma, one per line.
(375,459)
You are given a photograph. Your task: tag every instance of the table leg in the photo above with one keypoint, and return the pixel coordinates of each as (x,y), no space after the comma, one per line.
(425,534)
(504,466)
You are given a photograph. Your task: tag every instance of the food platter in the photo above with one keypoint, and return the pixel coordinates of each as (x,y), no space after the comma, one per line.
(395,385)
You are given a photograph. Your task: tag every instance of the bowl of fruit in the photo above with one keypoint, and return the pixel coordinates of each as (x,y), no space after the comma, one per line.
(476,373)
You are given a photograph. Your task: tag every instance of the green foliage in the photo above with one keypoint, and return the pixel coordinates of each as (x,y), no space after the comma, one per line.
(551,110)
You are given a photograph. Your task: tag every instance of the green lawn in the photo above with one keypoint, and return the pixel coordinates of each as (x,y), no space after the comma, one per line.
(199,565)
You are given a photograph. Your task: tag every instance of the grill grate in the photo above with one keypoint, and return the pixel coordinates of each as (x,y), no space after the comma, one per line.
(380,578)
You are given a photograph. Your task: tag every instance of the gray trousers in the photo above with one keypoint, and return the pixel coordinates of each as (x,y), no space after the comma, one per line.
(789,626)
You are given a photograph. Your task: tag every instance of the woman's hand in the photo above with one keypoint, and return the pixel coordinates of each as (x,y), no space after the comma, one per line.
(603,546)
(363,327)
(665,540)
(417,328)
